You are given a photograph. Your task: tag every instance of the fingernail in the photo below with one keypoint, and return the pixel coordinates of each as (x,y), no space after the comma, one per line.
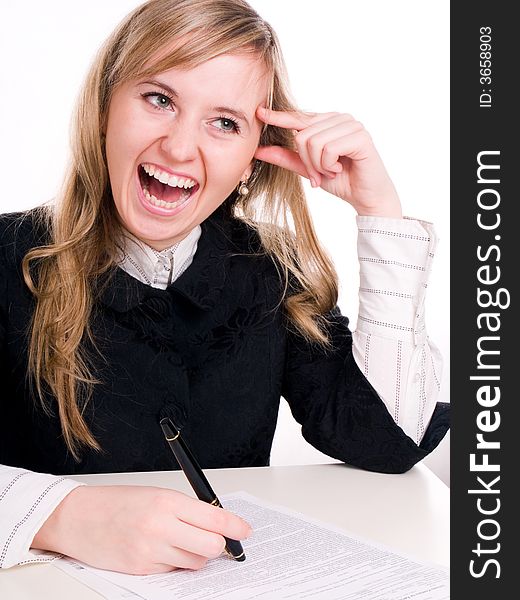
(313,182)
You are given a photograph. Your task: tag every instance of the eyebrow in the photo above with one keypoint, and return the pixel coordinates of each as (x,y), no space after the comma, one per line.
(233,111)
(170,90)
(239,114)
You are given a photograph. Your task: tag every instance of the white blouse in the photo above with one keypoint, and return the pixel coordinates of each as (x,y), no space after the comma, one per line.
(391,348)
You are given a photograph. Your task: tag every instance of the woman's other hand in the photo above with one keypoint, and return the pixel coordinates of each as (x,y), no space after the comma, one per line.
(336,153)
(138,530)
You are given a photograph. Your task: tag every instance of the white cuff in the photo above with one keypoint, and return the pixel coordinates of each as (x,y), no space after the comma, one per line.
(391,346)
(395,257)
(26,501)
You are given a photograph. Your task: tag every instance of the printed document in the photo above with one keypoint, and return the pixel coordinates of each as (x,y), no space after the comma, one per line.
(288,557)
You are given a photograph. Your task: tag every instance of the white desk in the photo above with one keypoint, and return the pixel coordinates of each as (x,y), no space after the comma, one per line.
(408,512)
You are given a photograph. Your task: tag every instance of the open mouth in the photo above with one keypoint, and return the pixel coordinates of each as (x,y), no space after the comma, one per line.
(164,190)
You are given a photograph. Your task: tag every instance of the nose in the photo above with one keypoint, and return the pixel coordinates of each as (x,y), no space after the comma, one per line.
(181,141)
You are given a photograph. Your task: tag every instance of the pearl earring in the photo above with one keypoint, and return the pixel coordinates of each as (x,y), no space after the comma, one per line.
(243,190)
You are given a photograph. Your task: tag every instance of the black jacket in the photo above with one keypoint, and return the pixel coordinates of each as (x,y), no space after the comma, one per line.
(214,351)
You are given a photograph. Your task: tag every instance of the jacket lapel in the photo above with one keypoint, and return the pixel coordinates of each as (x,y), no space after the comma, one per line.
(201,283)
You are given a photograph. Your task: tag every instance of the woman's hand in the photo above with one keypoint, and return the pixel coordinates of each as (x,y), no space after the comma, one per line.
(335,152)
(138,530)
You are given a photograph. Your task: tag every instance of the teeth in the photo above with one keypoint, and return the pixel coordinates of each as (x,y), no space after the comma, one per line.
(156,202)
(163,178)
(171,180)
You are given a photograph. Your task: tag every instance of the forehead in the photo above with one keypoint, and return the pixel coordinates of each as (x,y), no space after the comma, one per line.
(226,79)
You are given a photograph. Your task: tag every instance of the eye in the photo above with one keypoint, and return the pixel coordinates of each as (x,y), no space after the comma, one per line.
(227,125)
(158,100)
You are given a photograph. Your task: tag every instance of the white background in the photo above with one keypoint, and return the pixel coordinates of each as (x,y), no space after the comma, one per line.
(386,63)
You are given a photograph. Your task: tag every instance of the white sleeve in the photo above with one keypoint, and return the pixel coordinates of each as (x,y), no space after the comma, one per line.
(391,346)
(26,501)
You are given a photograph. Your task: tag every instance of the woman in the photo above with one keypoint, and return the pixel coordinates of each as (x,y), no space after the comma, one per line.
(179,275)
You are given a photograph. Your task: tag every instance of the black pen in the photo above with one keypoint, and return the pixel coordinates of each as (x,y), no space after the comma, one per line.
(196,477)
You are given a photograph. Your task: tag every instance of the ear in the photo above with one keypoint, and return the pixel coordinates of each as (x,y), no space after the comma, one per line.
(248,172)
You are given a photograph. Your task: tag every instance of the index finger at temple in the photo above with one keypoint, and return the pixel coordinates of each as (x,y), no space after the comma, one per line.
(287,119)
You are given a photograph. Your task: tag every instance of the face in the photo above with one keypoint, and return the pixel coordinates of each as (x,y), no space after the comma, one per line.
(179,142)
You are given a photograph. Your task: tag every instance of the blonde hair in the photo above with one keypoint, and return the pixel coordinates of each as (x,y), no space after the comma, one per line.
(83,223)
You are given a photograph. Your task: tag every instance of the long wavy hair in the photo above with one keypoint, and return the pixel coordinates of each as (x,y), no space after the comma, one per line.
(83,224)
